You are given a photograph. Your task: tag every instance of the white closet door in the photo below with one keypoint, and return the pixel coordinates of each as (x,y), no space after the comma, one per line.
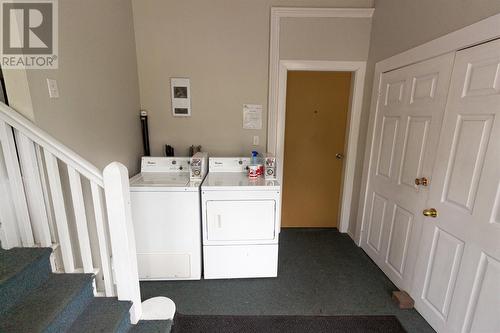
(457,279)
(408,121)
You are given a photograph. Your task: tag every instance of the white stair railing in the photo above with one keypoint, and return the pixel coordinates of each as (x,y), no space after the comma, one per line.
(52,197)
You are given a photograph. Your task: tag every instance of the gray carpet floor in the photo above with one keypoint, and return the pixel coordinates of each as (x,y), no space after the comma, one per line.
(321,272)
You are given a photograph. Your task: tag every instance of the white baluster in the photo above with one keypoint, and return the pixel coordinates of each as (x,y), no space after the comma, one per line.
(16,185)
(59,212)
(9,234)
(45,189)
(80,219)
(102,238)
(55,258)
(121,229)
(33,188)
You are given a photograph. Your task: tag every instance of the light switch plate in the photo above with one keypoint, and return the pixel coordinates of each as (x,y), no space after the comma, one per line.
(53,89)
(255,140)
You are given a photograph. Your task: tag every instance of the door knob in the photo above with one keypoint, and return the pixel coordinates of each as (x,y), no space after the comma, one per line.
(339,156)
(422,181)
(430,212)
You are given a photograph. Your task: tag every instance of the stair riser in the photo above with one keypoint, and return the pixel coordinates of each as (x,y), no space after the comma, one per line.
(103,315)
(124,324)
(73,309)
(30,278)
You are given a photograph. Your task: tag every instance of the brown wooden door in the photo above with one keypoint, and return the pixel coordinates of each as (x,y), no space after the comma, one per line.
(317,104)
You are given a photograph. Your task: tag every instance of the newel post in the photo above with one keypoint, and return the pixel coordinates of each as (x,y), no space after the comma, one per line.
(121,230)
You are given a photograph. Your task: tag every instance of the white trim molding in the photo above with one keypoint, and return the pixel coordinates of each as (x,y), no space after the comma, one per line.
(358,69)
(322,12)
(274,57)
(477,33)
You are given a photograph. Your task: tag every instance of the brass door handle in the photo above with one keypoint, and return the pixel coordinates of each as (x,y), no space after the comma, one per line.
(422,181)
(430,212)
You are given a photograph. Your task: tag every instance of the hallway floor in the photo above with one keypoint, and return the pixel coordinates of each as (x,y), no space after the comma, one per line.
(321,272)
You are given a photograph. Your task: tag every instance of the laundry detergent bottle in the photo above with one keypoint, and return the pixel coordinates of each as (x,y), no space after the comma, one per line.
(256,168)
(255,158)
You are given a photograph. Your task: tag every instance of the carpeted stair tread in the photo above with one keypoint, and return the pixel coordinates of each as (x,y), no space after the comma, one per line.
(152,326)
(52,307)
(15,260)
(103,314)
(21,271)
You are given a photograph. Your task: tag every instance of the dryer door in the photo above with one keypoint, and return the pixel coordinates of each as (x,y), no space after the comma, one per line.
(240,220)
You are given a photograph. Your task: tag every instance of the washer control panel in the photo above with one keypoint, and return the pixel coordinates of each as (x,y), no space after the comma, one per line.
(164,164)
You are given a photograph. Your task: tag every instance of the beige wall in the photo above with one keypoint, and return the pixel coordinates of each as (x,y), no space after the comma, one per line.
(399,25)
(341,39)
(97,111)
(18,92)
(223,46)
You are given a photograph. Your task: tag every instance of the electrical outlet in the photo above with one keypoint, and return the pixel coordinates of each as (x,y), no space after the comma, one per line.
(53,89)
(255,140)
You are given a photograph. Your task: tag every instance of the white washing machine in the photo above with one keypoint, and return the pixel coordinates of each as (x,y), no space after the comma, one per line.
(166,215)
(241,222)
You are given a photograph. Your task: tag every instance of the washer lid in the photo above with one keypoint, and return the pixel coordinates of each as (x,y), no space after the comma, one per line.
(237,181)
(157,180)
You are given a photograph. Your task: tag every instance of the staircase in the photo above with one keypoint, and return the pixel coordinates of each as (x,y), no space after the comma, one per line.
(33,299)
(66,236)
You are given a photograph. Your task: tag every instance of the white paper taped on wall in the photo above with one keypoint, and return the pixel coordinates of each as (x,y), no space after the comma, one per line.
(252,116)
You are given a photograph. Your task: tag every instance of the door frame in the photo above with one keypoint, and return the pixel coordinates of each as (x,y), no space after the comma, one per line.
(276,111)
(358,69)
(476,33)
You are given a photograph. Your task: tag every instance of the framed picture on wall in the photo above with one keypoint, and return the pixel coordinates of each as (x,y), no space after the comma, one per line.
(181,97)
